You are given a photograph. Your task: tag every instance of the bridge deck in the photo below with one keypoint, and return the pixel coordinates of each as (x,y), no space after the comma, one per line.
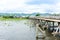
(47,19)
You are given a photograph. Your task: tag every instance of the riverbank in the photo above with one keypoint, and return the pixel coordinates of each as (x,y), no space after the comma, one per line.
(13,19)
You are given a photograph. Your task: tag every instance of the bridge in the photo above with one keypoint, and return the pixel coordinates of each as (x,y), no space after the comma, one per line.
(46,23)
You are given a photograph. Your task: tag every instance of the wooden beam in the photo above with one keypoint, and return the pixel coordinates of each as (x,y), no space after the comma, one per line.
(47,19)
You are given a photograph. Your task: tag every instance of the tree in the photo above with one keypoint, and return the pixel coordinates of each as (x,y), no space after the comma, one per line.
(38,14)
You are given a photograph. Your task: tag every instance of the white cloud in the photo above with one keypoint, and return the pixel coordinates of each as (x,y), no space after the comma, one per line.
(55,8)
(11,4)
(21,6)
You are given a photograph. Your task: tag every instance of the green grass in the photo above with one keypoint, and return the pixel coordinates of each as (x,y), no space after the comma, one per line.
(13,19)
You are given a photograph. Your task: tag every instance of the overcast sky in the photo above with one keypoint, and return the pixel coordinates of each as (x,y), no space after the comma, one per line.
(29,6)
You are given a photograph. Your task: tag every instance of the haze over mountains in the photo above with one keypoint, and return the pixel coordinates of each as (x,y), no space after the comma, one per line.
(22,14)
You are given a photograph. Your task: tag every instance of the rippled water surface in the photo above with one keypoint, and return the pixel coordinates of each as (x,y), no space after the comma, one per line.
(16,30)
(19,30)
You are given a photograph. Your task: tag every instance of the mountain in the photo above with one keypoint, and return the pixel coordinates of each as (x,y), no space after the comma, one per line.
(23,14)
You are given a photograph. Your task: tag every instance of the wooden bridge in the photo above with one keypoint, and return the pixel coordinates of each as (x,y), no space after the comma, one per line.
(42,23)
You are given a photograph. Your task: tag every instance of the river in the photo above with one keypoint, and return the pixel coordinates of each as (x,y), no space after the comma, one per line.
(18,30)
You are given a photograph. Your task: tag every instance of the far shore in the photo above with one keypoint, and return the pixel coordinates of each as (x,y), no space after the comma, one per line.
(13,19)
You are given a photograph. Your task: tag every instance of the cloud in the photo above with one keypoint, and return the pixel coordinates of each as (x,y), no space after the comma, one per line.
(30,6)
(11,4)
(54,8)
(36,2)
(43,6)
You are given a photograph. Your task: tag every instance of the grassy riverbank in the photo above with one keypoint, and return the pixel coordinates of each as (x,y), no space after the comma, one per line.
(15,19)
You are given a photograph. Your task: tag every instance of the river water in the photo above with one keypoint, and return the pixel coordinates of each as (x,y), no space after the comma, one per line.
(18,30)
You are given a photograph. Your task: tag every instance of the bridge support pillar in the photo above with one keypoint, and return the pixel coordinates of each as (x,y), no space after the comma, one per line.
(37,31)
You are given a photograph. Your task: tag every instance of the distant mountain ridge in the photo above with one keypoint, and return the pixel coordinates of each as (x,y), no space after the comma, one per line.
(22,14)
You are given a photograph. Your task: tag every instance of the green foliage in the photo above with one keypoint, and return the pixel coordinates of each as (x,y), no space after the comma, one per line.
(37,14)
(11,17)
(8,17)
(27,17)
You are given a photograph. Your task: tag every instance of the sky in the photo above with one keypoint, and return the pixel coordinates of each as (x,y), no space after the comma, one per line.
(29,6)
